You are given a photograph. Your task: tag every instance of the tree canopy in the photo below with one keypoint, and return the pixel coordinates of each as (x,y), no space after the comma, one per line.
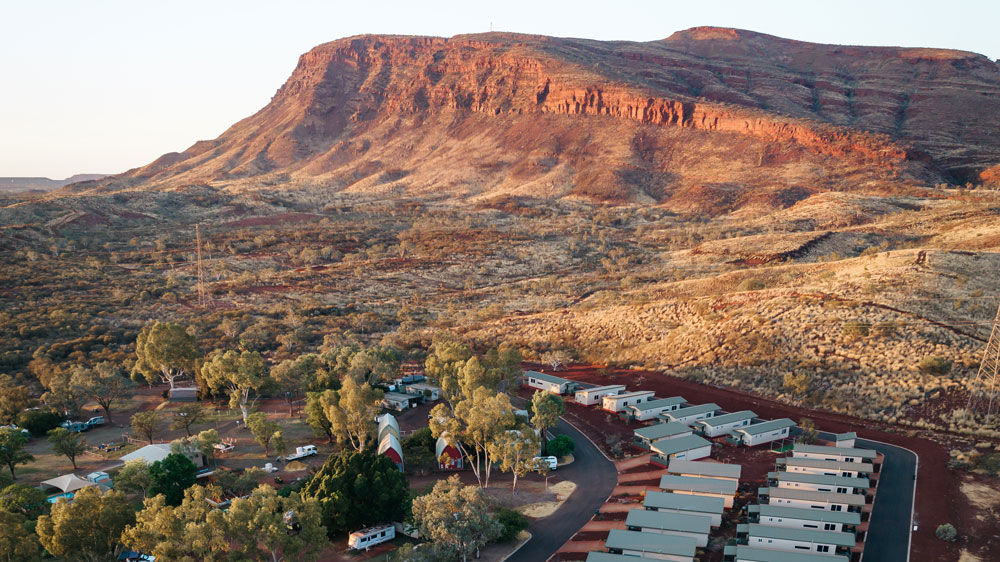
(70,444)
(456,517)
(475,421)
(12,452)
(239,375)
(351,412)
(171,476)
(89,528)
(165,352)
(357,489)
(105,384)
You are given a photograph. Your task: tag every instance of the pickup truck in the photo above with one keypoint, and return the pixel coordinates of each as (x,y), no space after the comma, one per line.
(302,452)
(74,426)
(94,421)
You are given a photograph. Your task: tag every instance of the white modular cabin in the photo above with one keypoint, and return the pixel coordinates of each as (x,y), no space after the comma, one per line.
(796,540)
(651,545)
(683,525)
(707,506)
(591,396)
(651,409)
(691,414)
(722,424)
(619,402)
(711,487)
(703,469)
(829,468)
(761,433)
(687,447)
(820,482)
(397,401)
(548,383)
(645,437)
(361,540)
(747,553)
(428,392)
(844,454)
(807,499)
(803,518)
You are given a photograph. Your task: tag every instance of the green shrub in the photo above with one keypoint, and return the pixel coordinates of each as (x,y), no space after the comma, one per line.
(934,365)
(946,532)
(512,521)
(39,422)
(561,446)
(751,285)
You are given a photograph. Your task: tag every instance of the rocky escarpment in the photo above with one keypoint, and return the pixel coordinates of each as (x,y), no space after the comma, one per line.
(884,113)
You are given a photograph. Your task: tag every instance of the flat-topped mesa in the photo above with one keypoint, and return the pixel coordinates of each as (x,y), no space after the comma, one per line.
(880,113)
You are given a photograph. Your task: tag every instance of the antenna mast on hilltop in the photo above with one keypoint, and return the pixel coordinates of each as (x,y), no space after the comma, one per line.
(983,397)
(201,285)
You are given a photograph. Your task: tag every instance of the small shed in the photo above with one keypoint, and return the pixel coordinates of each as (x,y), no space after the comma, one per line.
(185,394)
(620,402)
(427,392)
(845,440)
(399,401)
(442,448)
(593,395)
(390,447)
(548,383)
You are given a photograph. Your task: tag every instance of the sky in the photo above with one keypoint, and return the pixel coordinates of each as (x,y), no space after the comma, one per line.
(103,86)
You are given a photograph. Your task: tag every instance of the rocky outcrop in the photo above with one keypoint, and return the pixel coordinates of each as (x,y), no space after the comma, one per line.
(891,113)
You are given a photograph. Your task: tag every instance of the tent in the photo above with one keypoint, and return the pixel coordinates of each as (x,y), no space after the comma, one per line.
(68,483)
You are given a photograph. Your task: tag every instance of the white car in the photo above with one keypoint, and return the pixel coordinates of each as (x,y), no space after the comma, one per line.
(551,461)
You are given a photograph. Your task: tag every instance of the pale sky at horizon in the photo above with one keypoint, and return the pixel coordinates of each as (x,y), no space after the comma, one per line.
(102,86)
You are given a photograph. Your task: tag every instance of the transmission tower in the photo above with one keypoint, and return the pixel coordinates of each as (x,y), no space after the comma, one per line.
(201,285)
(983,397)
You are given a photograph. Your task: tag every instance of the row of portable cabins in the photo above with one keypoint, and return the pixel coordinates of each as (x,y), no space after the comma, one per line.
(674,523)
(814,506)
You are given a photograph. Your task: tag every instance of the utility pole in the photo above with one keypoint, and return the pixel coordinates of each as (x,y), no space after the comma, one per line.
(983,395)
(201,286)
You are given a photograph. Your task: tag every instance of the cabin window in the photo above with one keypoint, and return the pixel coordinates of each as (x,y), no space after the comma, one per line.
(822,548)
(829,527)
(836,508)
(808,526)
(802,547)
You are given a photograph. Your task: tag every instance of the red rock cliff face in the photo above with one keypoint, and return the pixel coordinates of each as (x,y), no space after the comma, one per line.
(897,110)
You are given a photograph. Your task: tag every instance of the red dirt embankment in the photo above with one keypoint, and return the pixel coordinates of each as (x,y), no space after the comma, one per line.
(938,500)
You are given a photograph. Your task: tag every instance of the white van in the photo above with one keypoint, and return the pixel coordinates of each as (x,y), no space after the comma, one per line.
(551,461)
(360,540)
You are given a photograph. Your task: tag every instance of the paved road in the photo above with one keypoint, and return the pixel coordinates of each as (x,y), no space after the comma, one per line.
(595,477)
(889,529)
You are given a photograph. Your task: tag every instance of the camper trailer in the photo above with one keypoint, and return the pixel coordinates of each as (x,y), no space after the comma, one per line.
(361,540)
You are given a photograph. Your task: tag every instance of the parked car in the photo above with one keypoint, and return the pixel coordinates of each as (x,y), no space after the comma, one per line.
(551,461)
(94,421)
(301,452)
(13,427)
(74,426)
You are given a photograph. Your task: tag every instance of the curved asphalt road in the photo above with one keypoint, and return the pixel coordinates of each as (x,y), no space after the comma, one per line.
(888,537)
(595,478)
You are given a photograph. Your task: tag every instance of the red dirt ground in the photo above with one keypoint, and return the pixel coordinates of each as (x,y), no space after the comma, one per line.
(938,500)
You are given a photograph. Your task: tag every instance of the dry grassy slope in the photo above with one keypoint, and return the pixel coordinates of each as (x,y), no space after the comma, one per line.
(938,297)
(610,121)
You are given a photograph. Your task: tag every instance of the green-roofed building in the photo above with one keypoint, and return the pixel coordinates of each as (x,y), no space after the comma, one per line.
(822,466)
(711,507)
(712,487)
(795,540)
(651,545)
(747,553)
(650,410)
(847,454)
(819,482)
(645,436)
(791,497)
(688,447)
(761,433)
(548,383)
(722,424)
(691,414)
(695,526)
(803,518)
(705,469)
